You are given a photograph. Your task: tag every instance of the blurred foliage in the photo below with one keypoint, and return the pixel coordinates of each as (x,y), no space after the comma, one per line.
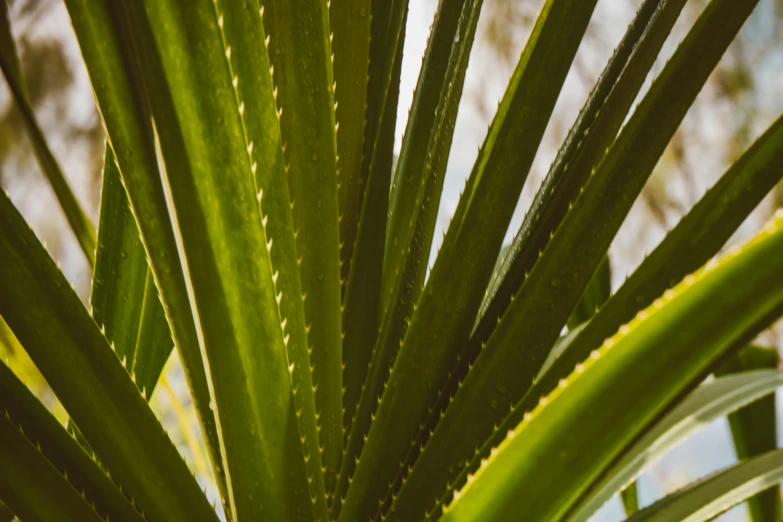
(49,75)
(45,68)
(505,22)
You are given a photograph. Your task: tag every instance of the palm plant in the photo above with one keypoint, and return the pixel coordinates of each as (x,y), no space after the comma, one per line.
(250,217)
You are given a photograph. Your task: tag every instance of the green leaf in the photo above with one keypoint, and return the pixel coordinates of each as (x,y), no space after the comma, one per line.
(350,22)
(709,497)
(362,300)
(124,299)
(76,360)
(523,338)
(753,428)
(425,147)
(303,75)
(113,58)
(578,430)
(465,262)
(244,33)
(630,498)
(699,235)
(33,488)
(707,402)
(153,344)
(560,347)
(594,129)
(77,219)
(63,452)
(598,292)
(387,34)
(428,134)
(225,252)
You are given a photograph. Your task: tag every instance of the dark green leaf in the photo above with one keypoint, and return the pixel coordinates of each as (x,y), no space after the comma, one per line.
(463,267)
(597,293)
(32,487)
(113,58)
(62,451)
(594,129)
(520,343)
(350,22)
(300,53)
(709,497)
(362,301)
(225,252)
(698,236)
(704,404)
(244,33)
(124,299)
(425,150)
(76,360)
(575,432)
(754,428)
(630,498)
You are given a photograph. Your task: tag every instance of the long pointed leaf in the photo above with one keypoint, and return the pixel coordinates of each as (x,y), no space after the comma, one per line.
(33,488)
(450,40)
(597,293)
(416,260)
(77,219)
(76,360)
(424,153)
(124,299)
(706,403)
(713,495)
(595,127)
(303,77)
(466,260)
(753,428)
(63,452)
(113,61)
(509,361)
(594,130)
(697,237)
(362,301)
(350,22)
(225,254)
(244,33)
(630,499)
(576,431)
